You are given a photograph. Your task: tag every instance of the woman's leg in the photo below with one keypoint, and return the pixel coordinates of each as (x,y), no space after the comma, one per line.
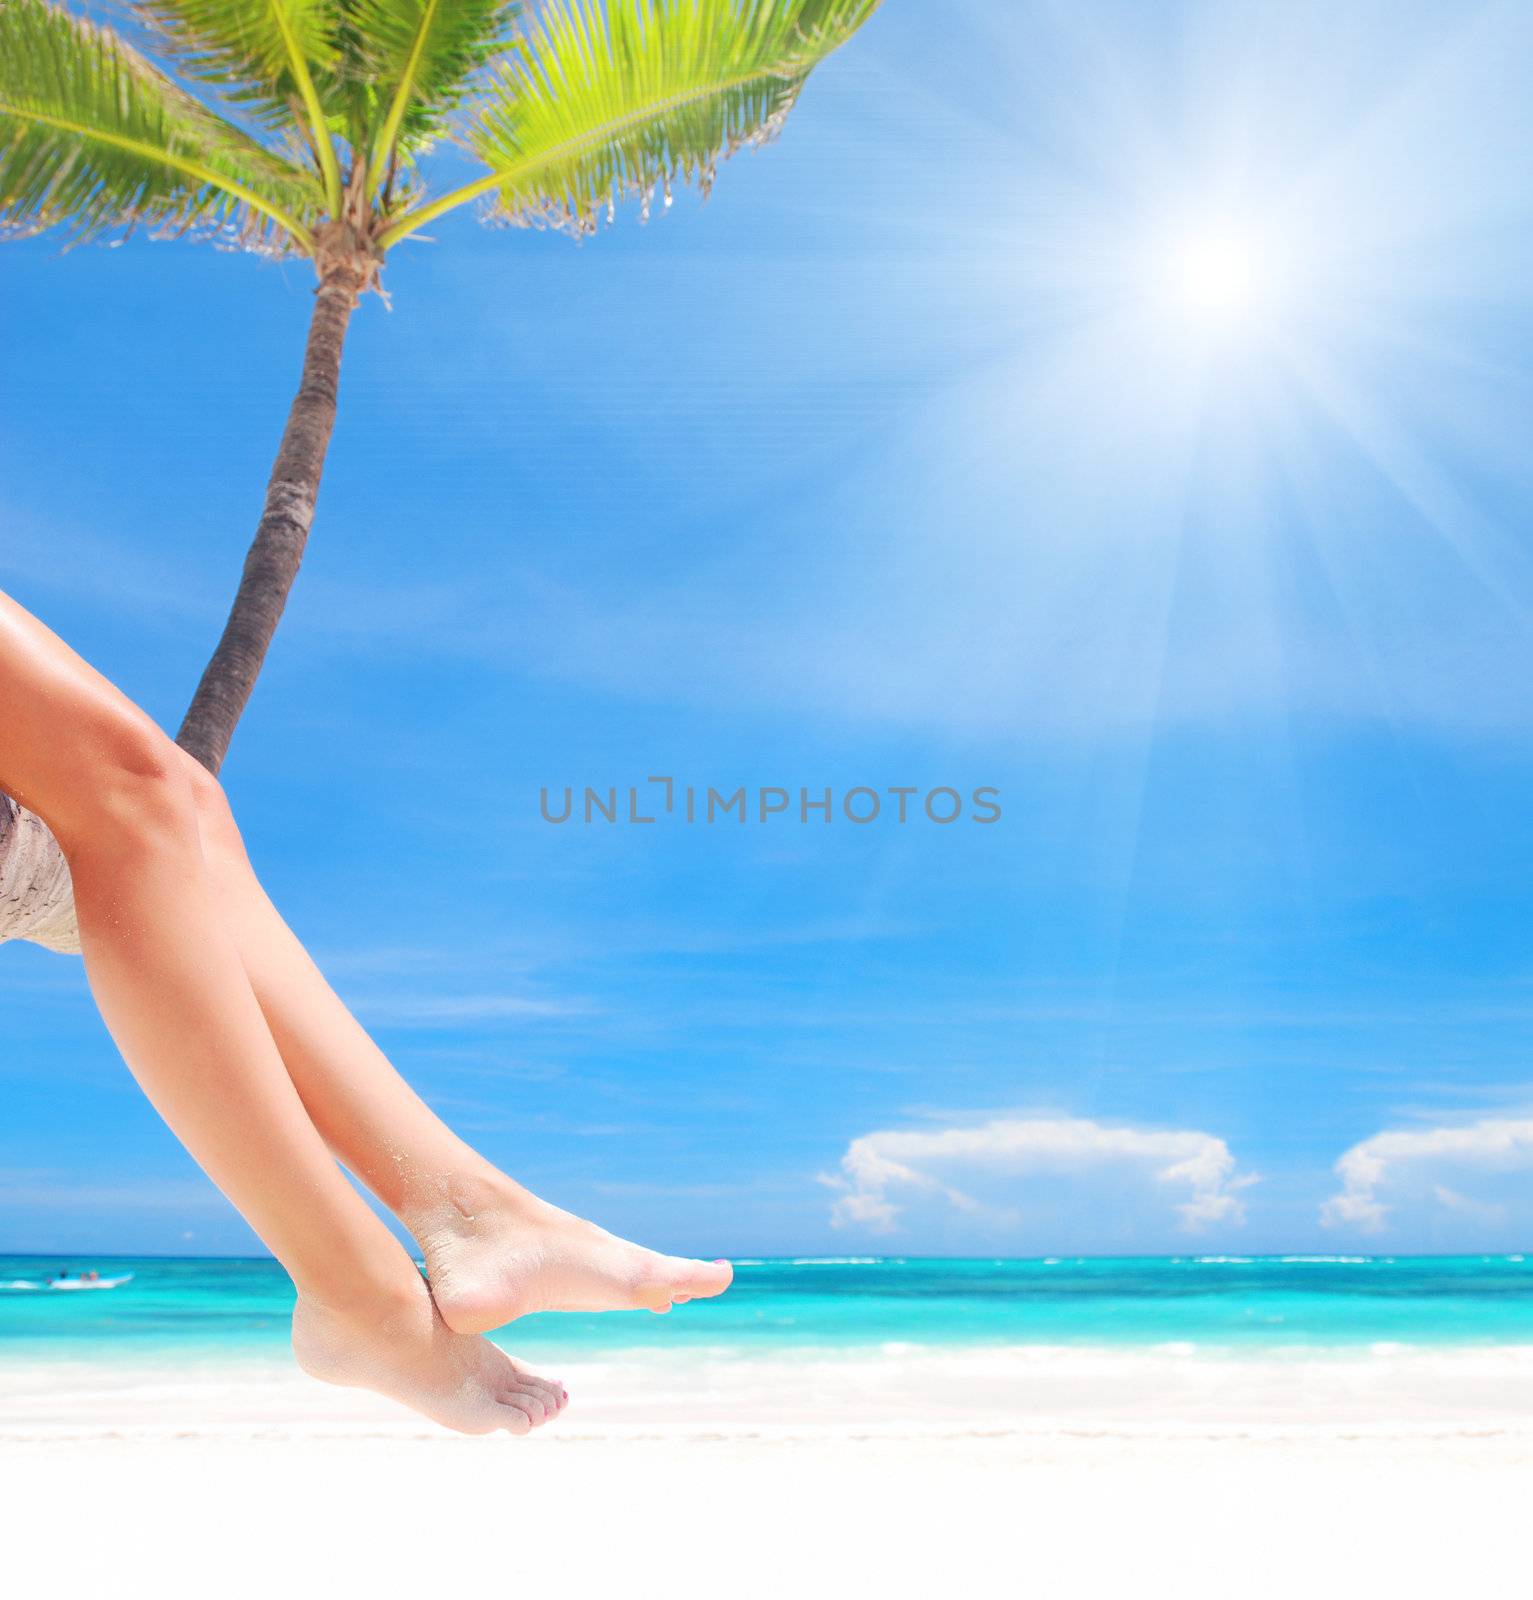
(493,1250)
(173,992)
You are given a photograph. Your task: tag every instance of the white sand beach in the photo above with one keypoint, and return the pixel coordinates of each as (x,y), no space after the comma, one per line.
(1046,1472)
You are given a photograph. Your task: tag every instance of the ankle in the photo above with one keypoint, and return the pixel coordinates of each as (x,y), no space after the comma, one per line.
(369,1301)
(463,1202)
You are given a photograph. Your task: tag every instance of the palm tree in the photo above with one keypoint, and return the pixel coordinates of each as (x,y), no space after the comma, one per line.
(310,137)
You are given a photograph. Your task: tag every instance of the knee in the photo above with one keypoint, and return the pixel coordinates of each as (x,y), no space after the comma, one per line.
(134,795)
(215,821)
(206,791)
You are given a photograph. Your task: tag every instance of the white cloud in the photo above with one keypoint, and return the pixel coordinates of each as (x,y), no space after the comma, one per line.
(1410,1169)
(1000,1171)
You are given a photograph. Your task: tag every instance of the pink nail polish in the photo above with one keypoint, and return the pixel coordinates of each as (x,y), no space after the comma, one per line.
(721,1262)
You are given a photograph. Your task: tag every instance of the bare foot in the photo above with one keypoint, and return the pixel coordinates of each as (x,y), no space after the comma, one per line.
(494,1252)
(409,1354)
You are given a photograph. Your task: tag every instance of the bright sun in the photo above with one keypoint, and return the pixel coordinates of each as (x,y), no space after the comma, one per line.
(1216,273)
(1219,277)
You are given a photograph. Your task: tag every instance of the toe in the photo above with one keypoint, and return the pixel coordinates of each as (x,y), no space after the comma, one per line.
(700,1280)
(513,1418)
(654,1291)
(547,1390)
(551,1390)
(530,1403)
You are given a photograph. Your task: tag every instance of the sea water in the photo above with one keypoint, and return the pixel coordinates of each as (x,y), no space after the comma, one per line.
(178,1309)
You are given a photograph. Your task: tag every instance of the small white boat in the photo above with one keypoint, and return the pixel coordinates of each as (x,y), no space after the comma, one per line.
(33,1284)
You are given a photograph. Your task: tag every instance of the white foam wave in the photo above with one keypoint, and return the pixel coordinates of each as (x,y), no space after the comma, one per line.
(835,1261)
(1351,1261)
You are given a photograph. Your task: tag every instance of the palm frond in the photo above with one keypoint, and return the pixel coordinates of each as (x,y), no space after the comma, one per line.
(94,138)
(245,48)
(269,56)
(421,57)
(610,100)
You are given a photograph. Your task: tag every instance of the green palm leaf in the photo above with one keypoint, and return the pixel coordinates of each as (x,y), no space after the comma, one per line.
(268,56)
(94,137)
(246,48)
(606,101)
(421,57)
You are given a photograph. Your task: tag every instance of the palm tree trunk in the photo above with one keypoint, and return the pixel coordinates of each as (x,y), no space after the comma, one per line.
(283,531)
(36,898)
(36,901)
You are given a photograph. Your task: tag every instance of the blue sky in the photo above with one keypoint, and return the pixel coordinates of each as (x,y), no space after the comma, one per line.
(912,458)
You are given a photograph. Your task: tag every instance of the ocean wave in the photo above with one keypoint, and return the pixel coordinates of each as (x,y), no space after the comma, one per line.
(835,1261)
(1351,1261)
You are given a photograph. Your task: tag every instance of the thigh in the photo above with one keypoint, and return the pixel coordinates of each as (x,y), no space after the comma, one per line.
(64,729)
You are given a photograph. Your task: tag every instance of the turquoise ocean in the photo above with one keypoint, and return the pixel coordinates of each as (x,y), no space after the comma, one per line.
(173,1310)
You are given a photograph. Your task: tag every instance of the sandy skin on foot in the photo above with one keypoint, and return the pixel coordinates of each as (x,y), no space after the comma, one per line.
(408,1353)
(494,1256)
